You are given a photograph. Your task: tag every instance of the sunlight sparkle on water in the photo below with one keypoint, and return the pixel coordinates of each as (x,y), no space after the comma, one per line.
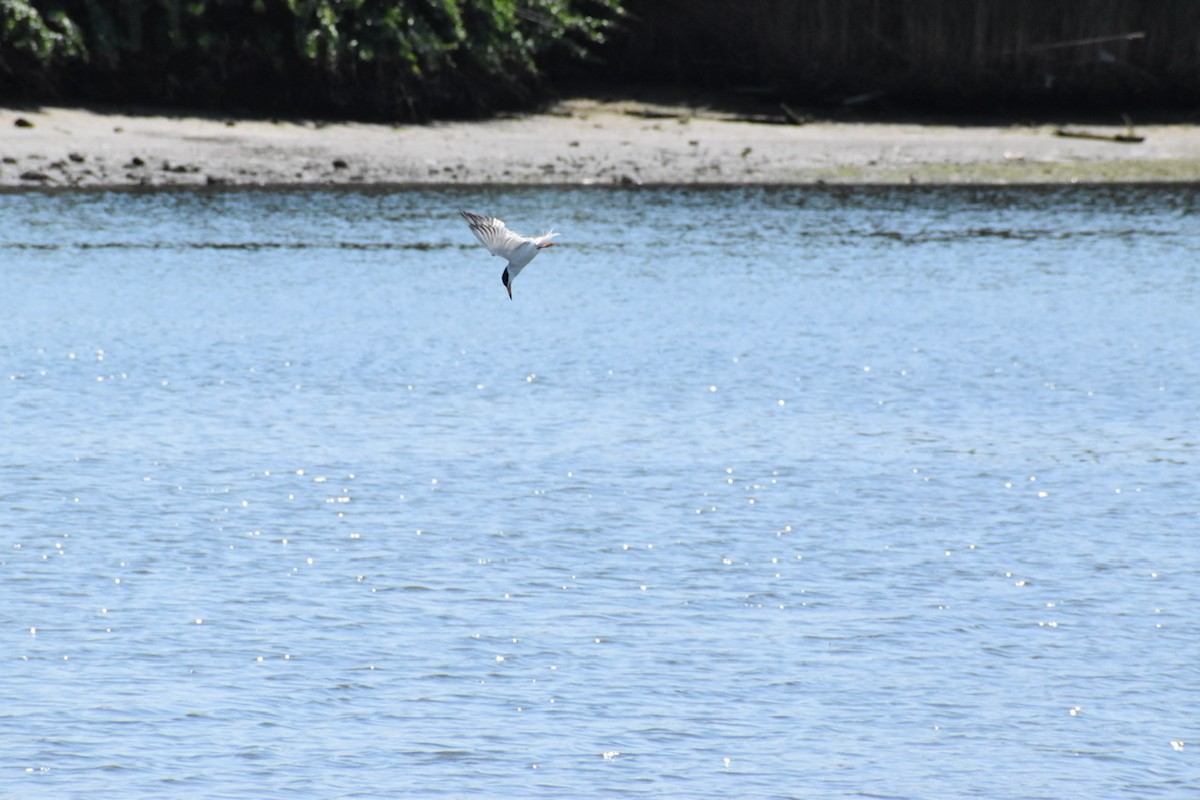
(872,402)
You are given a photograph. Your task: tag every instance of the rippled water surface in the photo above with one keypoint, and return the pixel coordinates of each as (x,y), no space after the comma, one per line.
(754,494)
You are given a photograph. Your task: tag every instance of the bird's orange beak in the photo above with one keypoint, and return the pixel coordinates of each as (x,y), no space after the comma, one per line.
(545,244)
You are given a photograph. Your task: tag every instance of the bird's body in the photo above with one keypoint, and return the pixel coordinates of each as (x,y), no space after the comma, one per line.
(500,241)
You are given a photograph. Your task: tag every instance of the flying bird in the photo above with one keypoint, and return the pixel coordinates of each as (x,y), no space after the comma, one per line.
(500,241)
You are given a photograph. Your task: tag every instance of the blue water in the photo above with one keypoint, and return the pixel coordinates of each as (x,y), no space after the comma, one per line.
(747,493)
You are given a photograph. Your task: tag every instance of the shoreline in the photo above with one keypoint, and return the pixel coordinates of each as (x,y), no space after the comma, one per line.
(576,142)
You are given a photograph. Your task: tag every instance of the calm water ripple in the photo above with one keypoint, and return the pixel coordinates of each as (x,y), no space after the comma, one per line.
(748,493)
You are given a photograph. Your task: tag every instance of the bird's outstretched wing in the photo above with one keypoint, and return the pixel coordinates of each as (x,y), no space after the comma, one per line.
(498,239)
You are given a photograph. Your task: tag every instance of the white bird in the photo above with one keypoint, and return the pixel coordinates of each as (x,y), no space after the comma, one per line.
(500,241)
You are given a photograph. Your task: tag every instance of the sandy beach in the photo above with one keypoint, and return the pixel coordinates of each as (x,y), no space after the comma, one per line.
(575,142)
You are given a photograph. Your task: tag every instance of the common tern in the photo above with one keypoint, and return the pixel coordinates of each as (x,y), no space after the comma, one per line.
(500,241)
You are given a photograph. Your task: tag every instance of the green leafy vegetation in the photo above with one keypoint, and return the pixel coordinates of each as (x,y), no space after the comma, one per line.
(361,58)
(417,59)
